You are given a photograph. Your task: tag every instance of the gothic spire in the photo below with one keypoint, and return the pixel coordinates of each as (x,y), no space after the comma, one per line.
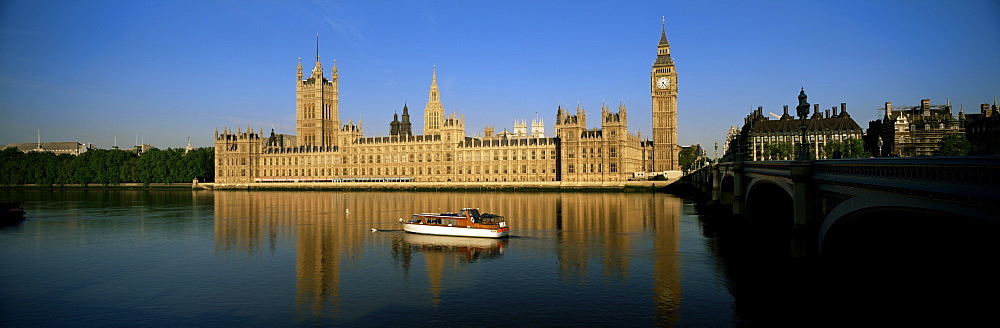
(299,73)
(318,69)
(663,48)
(663,31)
(433,96)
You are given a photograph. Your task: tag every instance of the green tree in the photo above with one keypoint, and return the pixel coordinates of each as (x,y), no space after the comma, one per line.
(690,158)
(11,164)
(107,167)
(850,148)
(954,145)
(81,171)
(779,151)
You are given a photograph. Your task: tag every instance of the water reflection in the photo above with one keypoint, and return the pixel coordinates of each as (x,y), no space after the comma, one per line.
(618,238)
(454,249)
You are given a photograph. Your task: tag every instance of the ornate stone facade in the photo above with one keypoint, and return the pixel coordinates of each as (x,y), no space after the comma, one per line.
(325,150)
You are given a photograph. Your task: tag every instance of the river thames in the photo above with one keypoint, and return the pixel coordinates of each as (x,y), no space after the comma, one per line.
(286,258)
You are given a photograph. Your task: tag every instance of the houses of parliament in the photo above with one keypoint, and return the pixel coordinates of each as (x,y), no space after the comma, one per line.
(325,149)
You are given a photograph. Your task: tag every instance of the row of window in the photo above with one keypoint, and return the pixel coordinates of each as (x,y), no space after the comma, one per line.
(811,138)
(408,171)
(590,168)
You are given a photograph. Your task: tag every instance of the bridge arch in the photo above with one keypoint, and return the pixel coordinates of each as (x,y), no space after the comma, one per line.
(889,242)
(727,188)
(913,256)
(769,205)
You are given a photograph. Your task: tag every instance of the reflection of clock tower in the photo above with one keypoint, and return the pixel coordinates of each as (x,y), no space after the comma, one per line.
(663,86)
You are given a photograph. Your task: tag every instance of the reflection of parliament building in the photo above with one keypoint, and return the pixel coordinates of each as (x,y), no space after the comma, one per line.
(325,149)
(591,233)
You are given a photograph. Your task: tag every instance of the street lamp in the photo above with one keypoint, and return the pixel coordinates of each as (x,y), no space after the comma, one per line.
(879,147)
(803,110)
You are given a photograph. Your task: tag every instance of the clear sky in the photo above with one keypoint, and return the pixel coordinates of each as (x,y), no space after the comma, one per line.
(163,71)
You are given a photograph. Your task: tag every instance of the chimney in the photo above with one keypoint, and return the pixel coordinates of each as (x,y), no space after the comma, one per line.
(834,110)
(826,113)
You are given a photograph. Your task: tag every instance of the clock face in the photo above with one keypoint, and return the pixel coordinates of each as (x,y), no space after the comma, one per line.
(662,82)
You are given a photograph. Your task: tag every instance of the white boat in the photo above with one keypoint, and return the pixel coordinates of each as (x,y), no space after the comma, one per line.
(467,223)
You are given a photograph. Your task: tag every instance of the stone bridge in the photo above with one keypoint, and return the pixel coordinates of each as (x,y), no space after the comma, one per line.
(832,206)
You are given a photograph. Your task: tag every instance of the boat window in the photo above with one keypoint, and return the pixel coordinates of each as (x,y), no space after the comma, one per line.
(488,218)
(474,213)
(449,221)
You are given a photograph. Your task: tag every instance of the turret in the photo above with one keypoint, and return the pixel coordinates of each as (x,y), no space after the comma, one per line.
(298,75)
(394,125)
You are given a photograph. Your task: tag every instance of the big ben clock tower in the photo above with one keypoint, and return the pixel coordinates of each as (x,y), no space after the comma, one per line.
(663,87)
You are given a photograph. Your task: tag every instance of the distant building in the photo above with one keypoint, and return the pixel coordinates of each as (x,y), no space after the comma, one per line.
(732,138)
(983,129)
(763,139)
(692,157)
(912,131)
(142,149)
(71,147)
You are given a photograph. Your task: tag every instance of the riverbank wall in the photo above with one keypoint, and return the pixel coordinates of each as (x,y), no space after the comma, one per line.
(556,186)
(629,186)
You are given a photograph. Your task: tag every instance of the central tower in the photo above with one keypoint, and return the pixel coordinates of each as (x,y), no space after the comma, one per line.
(434,112)
(663,88)
(316,102)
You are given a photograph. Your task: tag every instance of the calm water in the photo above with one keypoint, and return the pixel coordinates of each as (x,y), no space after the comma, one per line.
(157,258)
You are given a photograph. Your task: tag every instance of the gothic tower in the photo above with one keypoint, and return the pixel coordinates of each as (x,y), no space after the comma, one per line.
(537,128)
(434,112)
(663,87)
(405,128)
(316,106)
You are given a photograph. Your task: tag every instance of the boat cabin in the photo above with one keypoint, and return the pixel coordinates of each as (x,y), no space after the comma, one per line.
(467,216)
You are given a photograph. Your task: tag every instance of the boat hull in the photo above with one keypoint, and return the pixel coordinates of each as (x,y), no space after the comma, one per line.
(430,229)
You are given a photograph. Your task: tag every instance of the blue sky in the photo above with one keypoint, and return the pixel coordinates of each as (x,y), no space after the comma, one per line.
(163,71)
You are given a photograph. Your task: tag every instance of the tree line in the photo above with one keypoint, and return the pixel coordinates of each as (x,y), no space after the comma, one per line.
(106,167)
(849,148)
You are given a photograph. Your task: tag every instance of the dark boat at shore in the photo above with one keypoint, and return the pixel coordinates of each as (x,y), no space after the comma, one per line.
(11,213)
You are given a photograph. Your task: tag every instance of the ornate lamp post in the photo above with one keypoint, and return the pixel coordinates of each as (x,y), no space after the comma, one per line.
(802,185)
(879,147)
(803,111)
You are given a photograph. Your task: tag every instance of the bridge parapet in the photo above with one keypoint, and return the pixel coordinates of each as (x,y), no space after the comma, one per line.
(976,177)
(772,168)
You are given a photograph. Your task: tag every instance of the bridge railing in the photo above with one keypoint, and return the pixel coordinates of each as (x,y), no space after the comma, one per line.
(967,176)
(966,170)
